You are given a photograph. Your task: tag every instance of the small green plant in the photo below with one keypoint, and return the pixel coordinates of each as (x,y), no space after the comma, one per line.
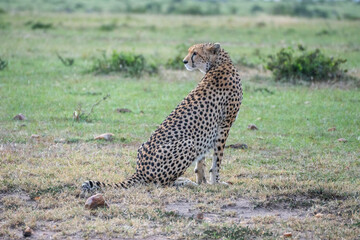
(177,61)
(79,114)
(309,66)
(127,62)
(66,61)
(4,25)
(234,232)
(40,25)
(3,64)
(109,27)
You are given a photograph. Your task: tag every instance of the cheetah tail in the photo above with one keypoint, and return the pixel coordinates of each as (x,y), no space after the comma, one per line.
(92,186)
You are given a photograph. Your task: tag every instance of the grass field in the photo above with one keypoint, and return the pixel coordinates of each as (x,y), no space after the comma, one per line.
(294,177)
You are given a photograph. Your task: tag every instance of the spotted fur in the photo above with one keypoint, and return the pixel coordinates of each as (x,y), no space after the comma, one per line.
(200,123)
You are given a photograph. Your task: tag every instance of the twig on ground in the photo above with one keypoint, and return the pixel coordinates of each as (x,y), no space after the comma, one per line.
(97,103)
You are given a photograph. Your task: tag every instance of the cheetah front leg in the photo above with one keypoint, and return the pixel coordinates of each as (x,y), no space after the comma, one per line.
(218,155)
(184,182)
(200,171)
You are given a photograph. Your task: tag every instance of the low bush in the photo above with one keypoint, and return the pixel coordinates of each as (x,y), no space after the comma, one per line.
(351,17)
(40,25)
(4,25)
(298,11)
(129,63)
(109,27)
(310,66)
(193,9)
(177,61)
(256,8)
(3,64)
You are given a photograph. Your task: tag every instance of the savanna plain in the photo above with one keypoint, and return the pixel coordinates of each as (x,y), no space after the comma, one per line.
(298,176)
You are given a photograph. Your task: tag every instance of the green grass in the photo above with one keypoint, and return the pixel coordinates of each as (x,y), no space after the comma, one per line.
(293,161)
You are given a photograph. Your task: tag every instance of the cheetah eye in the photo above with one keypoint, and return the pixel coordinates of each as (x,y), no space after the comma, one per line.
(194,54)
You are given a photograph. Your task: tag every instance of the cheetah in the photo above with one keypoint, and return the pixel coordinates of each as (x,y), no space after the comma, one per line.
(200,123)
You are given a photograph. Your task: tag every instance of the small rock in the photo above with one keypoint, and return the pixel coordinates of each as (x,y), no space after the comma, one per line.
(20,117)
(332,129)
(105,136)
(95,201)
(27,232)
(287,234)
(237,146)
(123,110)
(253,127)
(200,216)
(319,215)
(35,136)
(342,140)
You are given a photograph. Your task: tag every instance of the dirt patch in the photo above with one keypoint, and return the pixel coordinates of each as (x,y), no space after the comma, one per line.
(15,200)
(239,210)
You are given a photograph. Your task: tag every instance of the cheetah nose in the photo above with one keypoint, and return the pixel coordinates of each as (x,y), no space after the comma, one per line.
(185,61)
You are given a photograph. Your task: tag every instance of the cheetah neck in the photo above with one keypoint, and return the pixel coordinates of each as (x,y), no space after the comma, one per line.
(221,59)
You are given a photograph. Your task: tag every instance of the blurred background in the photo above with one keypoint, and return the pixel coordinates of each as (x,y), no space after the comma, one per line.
(61,54)
(337,9)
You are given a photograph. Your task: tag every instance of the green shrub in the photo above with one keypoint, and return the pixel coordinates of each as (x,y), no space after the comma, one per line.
(193,9)
(153,7)
(4,25)
(298,10)
(282,9)
(234,232)
(3,64)
(256,8)
(109,27)
(40,25)
(177,61)
(126,62)
(351,17)
(310,66)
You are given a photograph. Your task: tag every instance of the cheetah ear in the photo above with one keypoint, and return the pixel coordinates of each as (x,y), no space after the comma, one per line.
(215,48)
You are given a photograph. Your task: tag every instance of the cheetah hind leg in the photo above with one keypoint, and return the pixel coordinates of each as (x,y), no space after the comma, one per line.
(184,182)
(200,171)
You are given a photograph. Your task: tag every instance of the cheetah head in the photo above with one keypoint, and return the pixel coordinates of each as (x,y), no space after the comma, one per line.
(201,56)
